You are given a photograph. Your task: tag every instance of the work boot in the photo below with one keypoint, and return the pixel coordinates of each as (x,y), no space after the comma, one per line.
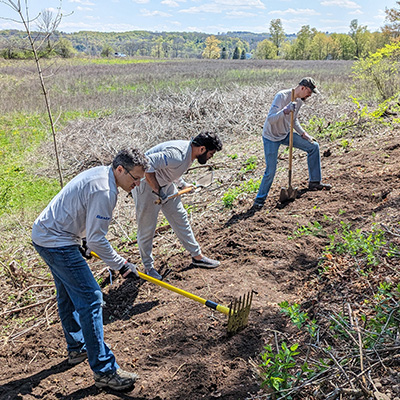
(153,273)
(118,380)
(205,262)
(319,186)
(76,357)
(257,206)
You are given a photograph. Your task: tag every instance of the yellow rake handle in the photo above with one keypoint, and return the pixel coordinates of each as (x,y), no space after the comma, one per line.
(208,303)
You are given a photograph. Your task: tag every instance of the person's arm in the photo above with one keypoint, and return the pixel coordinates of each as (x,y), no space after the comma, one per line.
(299,129)
(152,181)
(98,217)
(276,113)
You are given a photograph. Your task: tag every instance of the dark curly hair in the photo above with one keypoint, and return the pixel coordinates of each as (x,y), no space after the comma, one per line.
(130,158)
(210,140)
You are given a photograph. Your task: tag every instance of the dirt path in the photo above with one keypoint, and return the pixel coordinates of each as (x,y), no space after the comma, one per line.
(180,348)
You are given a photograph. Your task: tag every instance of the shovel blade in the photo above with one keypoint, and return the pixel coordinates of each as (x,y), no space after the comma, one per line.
(288,194)
(205,180)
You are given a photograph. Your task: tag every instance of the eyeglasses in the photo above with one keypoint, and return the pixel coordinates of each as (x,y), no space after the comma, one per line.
(135,179)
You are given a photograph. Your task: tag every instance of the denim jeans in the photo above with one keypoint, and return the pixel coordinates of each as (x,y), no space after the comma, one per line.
(80,302)
(271,158)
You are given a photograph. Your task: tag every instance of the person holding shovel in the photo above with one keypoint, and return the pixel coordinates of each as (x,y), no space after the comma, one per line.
(276,132)
(168,162)
(83,208)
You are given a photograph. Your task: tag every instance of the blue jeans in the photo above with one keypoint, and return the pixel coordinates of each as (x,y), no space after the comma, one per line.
(80,302)
(271,158)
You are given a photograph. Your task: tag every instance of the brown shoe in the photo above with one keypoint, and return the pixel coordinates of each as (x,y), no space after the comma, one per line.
(319,186)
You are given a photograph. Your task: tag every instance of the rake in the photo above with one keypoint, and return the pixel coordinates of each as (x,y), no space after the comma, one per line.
(237,312)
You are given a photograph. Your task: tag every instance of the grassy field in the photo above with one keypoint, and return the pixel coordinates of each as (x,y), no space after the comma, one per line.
(89,89)
(101,106)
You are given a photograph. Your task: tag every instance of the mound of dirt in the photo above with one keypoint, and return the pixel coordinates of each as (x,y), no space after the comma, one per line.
(180,348)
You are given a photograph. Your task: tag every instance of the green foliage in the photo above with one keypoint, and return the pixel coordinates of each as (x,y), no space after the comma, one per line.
(313,229)
(385,321)
(20,189)
(277,369)
(266,50)
(293,312)
(369,246)
(319,127)
(380,70)
(380,115)
(249,165)
(231,195)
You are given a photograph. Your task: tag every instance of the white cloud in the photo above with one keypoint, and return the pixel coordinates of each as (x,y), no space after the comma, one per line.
(79,8)
(170,3)
(141,1)
(240,14)
(241,3)
(299,11)
(340,3)
(219,6)
(83,2)
(356,12)
(205,8)
(148,13)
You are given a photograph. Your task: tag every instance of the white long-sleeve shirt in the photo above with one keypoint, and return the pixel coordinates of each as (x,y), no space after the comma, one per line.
(277,124)
(170,160)
(83,208)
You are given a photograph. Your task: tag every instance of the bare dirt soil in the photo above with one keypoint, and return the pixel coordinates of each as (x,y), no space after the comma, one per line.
(180,348)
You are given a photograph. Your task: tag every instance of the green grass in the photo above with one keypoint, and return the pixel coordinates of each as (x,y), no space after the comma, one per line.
(20,136)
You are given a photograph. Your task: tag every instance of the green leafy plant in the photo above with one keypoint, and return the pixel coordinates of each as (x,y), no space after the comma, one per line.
(250,164)
(314,229)
(369,245)
(277,368)
(293,312)
(250,186)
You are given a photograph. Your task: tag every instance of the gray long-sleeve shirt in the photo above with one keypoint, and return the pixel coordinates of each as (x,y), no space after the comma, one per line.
(170,160)
(277,124)
(83,208)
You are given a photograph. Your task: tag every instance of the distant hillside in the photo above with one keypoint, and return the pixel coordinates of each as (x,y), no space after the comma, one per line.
(143,43)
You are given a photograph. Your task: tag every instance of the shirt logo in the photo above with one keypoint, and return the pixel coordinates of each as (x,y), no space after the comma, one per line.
(101,217)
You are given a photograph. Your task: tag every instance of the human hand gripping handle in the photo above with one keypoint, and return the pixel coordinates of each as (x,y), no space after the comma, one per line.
(162,196)
(129,270)
(291,107)
(84,249)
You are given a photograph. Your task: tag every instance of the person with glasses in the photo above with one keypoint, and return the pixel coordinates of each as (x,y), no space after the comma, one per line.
(276,132)
(83,209)
(168,162)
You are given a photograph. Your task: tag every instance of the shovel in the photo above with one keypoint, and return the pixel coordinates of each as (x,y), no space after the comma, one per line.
(237,312)
(289,193)
(204,181)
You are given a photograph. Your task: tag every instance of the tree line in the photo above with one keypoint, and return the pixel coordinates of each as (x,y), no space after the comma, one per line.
(307,44)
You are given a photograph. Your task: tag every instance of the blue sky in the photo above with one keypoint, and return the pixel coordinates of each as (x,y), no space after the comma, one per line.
(208,16)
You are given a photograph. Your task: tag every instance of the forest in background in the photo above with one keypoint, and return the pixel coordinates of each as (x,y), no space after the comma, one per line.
(307,44)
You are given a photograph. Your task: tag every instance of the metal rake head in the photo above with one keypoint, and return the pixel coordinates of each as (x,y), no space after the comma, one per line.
(239,311)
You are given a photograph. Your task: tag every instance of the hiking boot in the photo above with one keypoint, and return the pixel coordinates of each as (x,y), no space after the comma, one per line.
(76,357)
(118,380)
(153,273)
(319,186)
(205,262)
(257,206)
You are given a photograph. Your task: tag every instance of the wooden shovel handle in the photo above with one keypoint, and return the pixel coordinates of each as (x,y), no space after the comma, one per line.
(291,142)
(183,191)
